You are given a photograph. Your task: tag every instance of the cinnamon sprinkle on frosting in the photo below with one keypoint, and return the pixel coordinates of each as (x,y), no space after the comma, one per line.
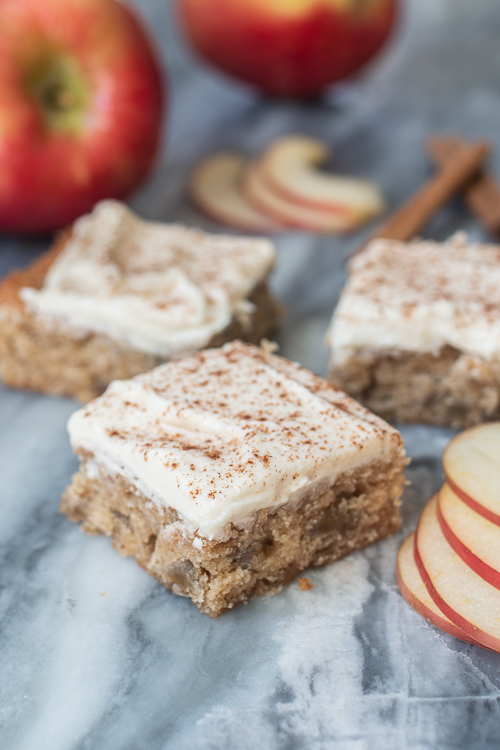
(228,431)
(159,288)
(420,296)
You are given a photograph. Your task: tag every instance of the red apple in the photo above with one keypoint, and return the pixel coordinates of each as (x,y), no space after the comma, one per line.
(288,47)
(460,593)
(471,463)
(80,109)
(471,535)
(414,591)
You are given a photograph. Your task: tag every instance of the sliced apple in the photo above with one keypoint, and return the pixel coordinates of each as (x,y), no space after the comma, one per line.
(472,466)
(290,167)
(460,593)
(215,187)
(471,535)
(258,192)
(414,591)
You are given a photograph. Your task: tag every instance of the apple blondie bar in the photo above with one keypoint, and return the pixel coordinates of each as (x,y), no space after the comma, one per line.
(227,472)
(117,296)
(416,333)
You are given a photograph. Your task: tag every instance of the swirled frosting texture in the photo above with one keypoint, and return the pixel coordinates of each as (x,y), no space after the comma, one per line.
(158,288)
(420,296)
(225,432)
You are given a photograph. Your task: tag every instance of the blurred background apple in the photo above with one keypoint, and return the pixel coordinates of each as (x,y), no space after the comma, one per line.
(288,48)
(80,109)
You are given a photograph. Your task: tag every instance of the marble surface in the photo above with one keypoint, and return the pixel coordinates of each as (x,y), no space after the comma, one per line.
(94,654)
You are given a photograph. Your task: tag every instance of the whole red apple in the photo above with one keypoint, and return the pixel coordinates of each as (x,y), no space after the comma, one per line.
(288,47)
(80,109)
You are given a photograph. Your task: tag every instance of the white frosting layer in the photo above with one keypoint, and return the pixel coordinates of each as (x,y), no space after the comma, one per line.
(158,288)
(420,296)
(225,432)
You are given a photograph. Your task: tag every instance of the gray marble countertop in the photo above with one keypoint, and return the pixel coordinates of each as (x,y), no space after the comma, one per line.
(94,654)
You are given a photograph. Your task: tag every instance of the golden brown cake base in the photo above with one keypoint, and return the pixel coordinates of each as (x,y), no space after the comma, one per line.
(329,520)
(449,388)
(56,359)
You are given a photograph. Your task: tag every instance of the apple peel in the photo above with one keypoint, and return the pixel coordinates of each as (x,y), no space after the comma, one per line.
(215,189)
(472,467)
(416,595)
(471,535)
(290,168)
(459,592)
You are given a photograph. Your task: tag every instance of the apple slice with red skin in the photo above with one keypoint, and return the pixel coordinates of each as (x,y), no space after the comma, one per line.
(471,463)
(265,199)
(414,591)
(460,593)
(471,535)
(289,166)
(215,187)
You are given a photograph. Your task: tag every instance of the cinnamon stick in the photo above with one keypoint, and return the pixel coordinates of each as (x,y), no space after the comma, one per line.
(482,194)
(451,177)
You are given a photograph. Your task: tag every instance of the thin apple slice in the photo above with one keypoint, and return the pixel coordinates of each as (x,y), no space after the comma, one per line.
(256,189)
(471,463)
(414,591)
(289,166)
(460,593)
(215,187)
(471,535)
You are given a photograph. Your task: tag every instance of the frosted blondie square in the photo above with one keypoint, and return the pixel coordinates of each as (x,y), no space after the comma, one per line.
(416,333)
(117,296)
(228,472)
